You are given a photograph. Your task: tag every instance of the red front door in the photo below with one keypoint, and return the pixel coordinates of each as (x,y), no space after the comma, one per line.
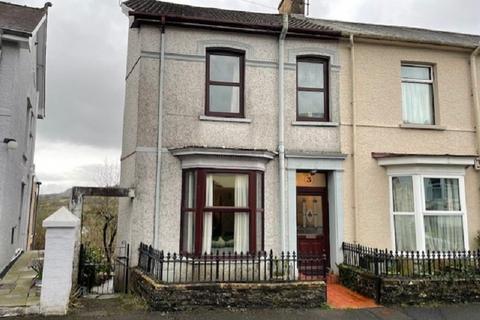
(312,222)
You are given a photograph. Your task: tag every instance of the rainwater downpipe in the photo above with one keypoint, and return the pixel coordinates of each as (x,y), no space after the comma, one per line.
(354,140)
(156,217)
(476,98)
(281,126)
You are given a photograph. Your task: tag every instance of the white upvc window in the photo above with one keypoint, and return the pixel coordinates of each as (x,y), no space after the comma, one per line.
(428,212)
(417,94)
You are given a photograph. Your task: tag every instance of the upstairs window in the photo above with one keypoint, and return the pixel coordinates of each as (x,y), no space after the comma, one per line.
(225,83)
(312,89)
(417,94)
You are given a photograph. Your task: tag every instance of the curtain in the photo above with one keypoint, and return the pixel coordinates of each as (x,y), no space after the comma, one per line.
(188,232)
(417,103)
(452,194)
(443,233)
(191,184)
(241,242)
(402,190)
(405,238)
(207,217)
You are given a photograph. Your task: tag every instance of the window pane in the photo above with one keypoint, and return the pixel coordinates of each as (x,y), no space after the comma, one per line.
(442,194)
(224,68)
(417,103)
(188,232)
(259,190)
(416,72)
(225,232)
(311,104)
(224,99)
(227,190)
(402,194)
(310,75)
(443,233)
(190,189)
(259,231)
(405,237)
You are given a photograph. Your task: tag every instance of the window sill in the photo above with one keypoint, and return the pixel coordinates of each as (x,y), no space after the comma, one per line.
(422,126)
(314,124)
(224,119)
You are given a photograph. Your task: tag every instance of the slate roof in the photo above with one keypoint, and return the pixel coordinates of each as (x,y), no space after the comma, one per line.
(297,23)
(215,16)
(20,18)
(402,33)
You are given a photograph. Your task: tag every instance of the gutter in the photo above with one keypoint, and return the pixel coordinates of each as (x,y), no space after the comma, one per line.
(281,126)
(354,139)
(476,99)
(161,71)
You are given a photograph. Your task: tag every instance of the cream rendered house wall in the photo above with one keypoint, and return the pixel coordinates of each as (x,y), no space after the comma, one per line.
(379,115)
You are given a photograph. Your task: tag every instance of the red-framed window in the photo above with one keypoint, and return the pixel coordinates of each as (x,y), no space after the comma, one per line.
(222,211)
(225,79)
(312,88)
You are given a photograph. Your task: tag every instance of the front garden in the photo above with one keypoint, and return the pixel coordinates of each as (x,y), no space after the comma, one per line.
(411,277)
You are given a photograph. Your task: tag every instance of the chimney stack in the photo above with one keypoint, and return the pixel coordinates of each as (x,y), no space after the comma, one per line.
(292,7)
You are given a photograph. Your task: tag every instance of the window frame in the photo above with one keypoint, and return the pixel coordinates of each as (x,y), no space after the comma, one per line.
(241,84)
(325,61)
(420,211)
(431,69)
(201,208)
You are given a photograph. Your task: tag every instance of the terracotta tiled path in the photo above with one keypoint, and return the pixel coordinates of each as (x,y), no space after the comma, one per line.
(339,297)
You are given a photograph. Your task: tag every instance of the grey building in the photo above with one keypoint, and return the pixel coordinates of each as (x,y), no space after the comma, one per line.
(23,38)
(229,139)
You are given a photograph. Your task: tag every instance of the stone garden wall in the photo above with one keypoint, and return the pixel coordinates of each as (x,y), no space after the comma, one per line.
(160,297)
(449,289)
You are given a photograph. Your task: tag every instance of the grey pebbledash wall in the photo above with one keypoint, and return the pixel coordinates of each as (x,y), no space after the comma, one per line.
(177,297)
(412,291)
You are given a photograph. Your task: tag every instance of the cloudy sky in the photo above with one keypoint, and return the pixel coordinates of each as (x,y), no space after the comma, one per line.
(87,42)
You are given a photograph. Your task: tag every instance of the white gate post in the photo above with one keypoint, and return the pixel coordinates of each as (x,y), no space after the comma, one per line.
(60,237)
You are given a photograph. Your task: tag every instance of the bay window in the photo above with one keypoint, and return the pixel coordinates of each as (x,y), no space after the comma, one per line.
(222,211)
(428,213)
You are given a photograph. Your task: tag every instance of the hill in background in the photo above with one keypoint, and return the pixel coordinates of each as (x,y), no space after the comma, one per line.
(98,220)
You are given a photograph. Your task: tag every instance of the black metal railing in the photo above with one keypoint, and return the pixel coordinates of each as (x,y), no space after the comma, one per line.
(231,267)
(389,263)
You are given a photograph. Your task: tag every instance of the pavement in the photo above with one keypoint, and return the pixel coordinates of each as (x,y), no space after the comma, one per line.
(117,309)
(18,295)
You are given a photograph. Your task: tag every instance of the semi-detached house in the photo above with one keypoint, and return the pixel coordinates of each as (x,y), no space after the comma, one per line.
(247,131)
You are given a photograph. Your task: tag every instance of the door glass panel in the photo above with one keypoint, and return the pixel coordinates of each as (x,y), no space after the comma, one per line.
(309,215)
